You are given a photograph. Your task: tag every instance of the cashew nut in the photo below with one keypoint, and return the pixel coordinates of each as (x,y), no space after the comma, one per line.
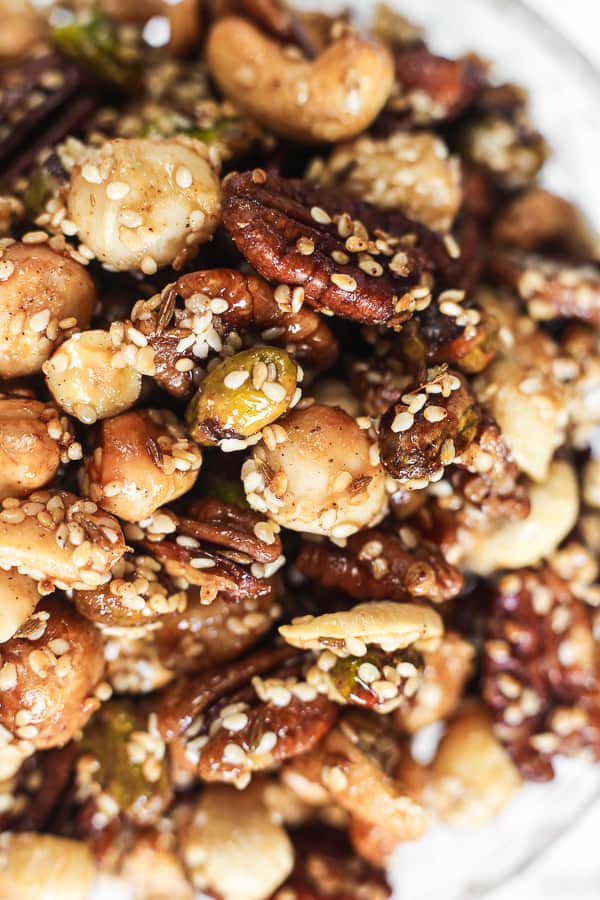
(44,867)
(19,597)
(332,98)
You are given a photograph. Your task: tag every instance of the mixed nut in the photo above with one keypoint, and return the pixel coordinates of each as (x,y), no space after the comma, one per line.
(299,374)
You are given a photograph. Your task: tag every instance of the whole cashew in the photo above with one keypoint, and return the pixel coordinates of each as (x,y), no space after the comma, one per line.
(332,98)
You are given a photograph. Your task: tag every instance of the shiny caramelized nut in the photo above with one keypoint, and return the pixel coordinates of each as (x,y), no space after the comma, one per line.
(19,597)
(524,542)
(50,670)
(122,756)
(42,866)
(142,460)
(91,379)
(331,98)
(233,846)
(510,151)
(243,394)
(59,539)
(385,624)
(138,593)
(324,478)
(408,171)
(431,424)
(34,440)
(472,777)
(169,182)
(446,670)
(41,290)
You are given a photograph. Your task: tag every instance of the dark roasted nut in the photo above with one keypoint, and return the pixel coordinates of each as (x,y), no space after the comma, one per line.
(138,593)
(444,675)
(551,288)
(142,460)
(32,795)
(121,756)
(232,845)
(227,723)
(433,422)
(242,395)
(34,440)
(432,88)
(50,670)
(323,476)
(378,565)
(412,172)
(59,539)
(345,86)
(538,220)
(471,778)
(540,675)
(43,296)
(350,258)
(326,868)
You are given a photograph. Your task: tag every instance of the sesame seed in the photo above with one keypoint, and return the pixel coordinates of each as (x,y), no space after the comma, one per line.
(236,379)
(305,246)
(184,365)
(368,673)
(149,265)
(450,308)
(91,174)
(345,282)
(183,177)
(274,391)
(434,413)
(340,257)
(234,755)
(235,721)
(402,422)
(117,190)
(320,216)
(335,779)
(6,269)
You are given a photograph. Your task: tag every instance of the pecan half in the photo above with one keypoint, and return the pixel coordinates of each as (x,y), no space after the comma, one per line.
(377,564)
(349,257)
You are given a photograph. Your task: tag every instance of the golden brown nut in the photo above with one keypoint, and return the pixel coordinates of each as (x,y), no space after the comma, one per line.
(59,539)
(324,477)
(408,171)
(34,440)
(472,777)
(331,98)
(19,597)
(42,296)
(143,459)
(92,379)
(43,867)
(233,846)
(50,670)
(144,203)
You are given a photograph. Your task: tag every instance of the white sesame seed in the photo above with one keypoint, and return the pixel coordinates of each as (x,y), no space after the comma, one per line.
(434,413)
(6,269)
(345,282)
(402,422)
(236,379)
(183,177)
(91,174)
(368,673)
(320,216)
(149,265)
(274,391)
(117,190)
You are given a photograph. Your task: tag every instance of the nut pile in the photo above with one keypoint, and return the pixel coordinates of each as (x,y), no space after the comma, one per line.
(299,379)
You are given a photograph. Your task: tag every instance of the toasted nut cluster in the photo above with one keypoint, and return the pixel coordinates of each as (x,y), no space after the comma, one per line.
(143,204)
(43,297)
(410,172)
(232,844)
(34,440)
(59,539)
(50,670)
(92,379)
(322,475)
(541,671)
(142,460)
(299,380)
(331,98)
(242,395)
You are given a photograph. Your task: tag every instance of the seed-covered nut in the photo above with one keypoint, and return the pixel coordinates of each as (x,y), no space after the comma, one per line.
(172,185)
(42,290)
(242,395)
(325,478)
(59,539)
(124,758)
(472,777)
(408,171)
(19,597)
(41,866)
(554,509)
(331,98)
(233,846)
(142,460)
(54,661)
(91,379)
(385,624)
